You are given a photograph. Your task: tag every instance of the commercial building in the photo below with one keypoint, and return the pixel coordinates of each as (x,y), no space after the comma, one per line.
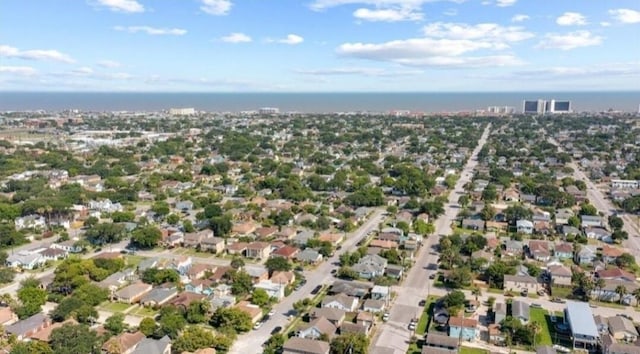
(546,107)
(501,109)
(584,332)
(269,110)
(534,107)
(182,111)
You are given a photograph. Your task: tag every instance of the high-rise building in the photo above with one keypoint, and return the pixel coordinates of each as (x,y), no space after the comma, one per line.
(269,110)
(182,111)
(500,109)
(546,107)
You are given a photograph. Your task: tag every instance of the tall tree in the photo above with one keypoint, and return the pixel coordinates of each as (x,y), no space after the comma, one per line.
(74,339)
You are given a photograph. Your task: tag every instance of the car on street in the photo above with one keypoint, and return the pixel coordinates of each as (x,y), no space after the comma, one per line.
(626,316)
(432,276)
(276,329)
(334,271)
(422,303)
(593,306)
(316,290)
(412,326)
(272,312)
(558,300)
(536,306)
(257,325)
(561,349)
(385,317)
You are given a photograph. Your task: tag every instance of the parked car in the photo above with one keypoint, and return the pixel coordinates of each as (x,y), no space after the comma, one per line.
(257,325)
(272,312)
(561,349)
(558,300)
(432,276)
(316,290)
(385,317)
(276,329)
(536,306)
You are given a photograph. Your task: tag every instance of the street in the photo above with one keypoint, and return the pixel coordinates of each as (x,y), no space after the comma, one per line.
(251,342)
(417,285)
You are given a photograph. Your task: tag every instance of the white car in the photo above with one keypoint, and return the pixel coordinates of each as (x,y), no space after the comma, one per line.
(257,325)
(272,312)
(385,317)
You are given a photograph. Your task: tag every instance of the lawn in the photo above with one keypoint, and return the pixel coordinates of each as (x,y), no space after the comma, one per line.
(133,261)
(144,312)
(414,349)
(469,350)
(561,292)
(540,316)
(114,307)
(425,318)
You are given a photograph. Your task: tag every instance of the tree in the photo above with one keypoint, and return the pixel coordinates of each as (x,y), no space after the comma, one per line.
(146,237)
(600,284)
(161,208)
(231,317)
(237,262)
(625,260)
(621,290)
(616,222)
(574,221)
(157,276)
(242,284)
(636,294)
(260,297)
(91,222)
(105,233)
(188,226)
(279,264)
(350,343)
(147,326)
(198,311)
(6,275)
(588,209)
(347,273)
(460,277)
(74,339)
(476,291)
(31,347)
(464,201)
(487,213)
(32,297)
(489,194)
(115,324)
(173,219)
(454,301)
(192,339)
(171,322)
(221,225)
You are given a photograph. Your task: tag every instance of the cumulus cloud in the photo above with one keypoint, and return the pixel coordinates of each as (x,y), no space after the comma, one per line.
(625,15)
(216,7)
(109,64)
(563,72)
(18,70)
(388,15)
(569,41)
(35,54)
(154,31)
(236,37)
(291,39)
(520,18)
(362,71)
(82,71)
(571,19)
(490,32)
(505,3)
(127,6)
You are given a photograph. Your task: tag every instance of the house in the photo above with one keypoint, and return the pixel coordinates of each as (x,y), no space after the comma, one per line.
(25,328)
(563,250)
(585,255)
(520,282)
(620,348)
(567,230)
(598,233)
(124,343)
(184,205)
(562,216)
(244,228)
(199,270)
(297,345)
(7,316)
(257,273)
(133,293)
(341,301)
(153,346)
(539,250)
(514,247)
(181,264)
(334,239)
(383,244)
(68,246)
(158,296)
(258,250)
(333,315)
(374,306)
(520,310)
(616,274)
(147,263)
(30,222)
(317,328)
(274,290)
(370,266)
(437,340)
(560,275)
(582,325)
(500,312)
(287,252)
(185,298)
(463,328)
(309,256)
(524,226)
(302,237)
(25,260)
(238,248)
(282,277)
(622,329)
(355,328)
(473,224)
(380,292)
(212,244)
(608,293)
(365,318)
(394,271)
(194,239)
(254,311)
(173,240)
(611,254)
(591,220)
(265,232)
(358,289)
(117,280)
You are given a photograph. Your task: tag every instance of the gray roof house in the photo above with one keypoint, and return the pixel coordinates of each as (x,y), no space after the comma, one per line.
(586,255)
(153,346)
(499,311)
(28,326)
(341,301)
(305,346)
(158,296)
(520,310)
(370,266)
(309,256)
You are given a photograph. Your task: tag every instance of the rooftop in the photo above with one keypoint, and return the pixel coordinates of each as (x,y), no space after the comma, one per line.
(581,319)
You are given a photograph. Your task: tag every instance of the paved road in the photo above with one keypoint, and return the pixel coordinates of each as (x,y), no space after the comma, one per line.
(417,286)
(603,204)
(252,341)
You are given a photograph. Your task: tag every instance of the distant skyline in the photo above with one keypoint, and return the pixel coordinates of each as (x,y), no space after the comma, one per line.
(319,45)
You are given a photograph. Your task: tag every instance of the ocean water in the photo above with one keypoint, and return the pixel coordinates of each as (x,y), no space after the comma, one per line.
(628,101)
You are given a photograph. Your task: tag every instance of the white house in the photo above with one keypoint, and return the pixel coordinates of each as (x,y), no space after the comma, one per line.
(274,290)
(25,260)
(30,222)
(105,206)
(524,226)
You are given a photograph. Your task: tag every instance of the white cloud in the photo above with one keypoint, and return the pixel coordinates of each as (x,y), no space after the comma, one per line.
(388,15)
(376,72)
(505,3)
(127,6)
(35,54)
(520,18)
(154,31)
(291,39)
(216,7)
(82,71)
(450,12)
(605,24)
(236,37)
(109,64)
(625,15)
(571,19)
(563,72)
(490,32)
(569,41)
(18,70)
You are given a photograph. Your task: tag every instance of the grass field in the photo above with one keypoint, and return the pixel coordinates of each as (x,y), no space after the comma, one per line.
(425,317)
(114,306)
(540,316)
(144,312)
(561,292)
(133,261)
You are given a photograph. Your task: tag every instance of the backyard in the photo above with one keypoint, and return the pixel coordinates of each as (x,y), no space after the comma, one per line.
(425,318)
(542,317)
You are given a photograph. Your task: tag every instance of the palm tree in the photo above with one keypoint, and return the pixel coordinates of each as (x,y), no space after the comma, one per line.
(636,294)
(475,291)
(600,284)
(535,328)
(621,291)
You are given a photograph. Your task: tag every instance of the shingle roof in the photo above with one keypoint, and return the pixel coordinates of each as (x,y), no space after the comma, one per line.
(297,345)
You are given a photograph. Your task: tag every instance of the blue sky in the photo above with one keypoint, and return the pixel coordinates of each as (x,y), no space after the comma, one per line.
(319,45)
